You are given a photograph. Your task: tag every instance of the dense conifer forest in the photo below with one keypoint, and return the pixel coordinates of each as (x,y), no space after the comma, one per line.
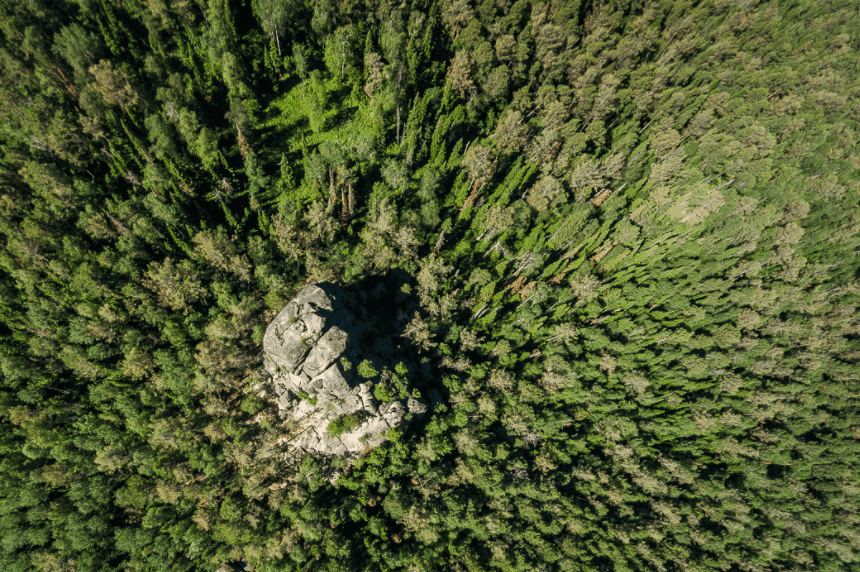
(632,226)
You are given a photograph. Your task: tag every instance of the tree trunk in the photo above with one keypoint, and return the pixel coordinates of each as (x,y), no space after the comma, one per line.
(439,244)
(398,123)
(278,41)
(472,196)
(332,191)
(351,201)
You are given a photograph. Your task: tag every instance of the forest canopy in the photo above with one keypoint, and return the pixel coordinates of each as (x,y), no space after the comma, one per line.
(632,227)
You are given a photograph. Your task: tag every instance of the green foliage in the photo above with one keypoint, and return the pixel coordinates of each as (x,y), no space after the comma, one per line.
(344,424)
(399,380)
(630,237)
(308,398)
(383,393)
(366,370)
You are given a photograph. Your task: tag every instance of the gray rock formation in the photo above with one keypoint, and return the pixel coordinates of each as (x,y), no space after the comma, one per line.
(310,351)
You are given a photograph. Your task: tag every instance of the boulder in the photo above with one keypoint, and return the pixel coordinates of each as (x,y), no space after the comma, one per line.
(310,352)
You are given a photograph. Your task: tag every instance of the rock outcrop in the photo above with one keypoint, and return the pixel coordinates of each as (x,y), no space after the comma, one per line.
(311,351)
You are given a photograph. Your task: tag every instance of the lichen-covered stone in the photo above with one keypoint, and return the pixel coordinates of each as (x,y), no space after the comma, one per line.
(306,348)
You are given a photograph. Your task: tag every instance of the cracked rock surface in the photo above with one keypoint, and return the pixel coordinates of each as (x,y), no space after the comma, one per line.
(310,351)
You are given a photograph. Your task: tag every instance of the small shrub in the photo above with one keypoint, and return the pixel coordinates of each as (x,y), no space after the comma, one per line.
(400,381)
(366,369)
(311,400)
(259,333)
(383,393)
(344,424)
(250,405)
